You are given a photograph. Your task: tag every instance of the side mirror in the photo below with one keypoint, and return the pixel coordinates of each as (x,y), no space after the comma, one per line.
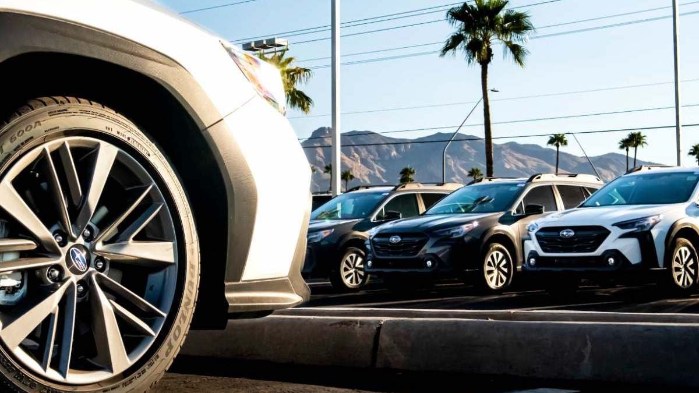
(392,215)
(531,210)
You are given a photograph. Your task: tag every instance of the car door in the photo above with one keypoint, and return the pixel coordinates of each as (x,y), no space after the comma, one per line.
(405,204)
(540,195)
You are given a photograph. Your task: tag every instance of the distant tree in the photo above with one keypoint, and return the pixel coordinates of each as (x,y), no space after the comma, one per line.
(328,170)
(347,177)
(637,139)
(694,152)
(481,26)
(557,140)
(407,175)
(292,76)
(475,173)
(313,169)
(625,144)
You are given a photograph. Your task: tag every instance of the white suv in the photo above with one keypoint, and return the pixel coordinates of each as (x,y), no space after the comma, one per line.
(647,220)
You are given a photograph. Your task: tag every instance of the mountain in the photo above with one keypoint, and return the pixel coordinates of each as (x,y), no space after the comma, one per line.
(377,159)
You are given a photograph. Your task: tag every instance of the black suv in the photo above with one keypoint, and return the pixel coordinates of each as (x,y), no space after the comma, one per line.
(339,228)
(477,229)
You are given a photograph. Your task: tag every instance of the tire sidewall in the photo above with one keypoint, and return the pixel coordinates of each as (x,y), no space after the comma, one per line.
(483,281)
(44,124)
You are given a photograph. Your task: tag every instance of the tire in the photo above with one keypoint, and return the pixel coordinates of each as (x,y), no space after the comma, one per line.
(682,269)
(104,207)
(349,274)
(497,269)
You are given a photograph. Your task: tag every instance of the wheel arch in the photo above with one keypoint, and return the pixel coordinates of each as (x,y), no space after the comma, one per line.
(41,57)
(504,237)
(682,228)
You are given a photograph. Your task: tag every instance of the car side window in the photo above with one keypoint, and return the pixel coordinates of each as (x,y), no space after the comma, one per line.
(405,204)
(429,199)
(542,195)
(572,196)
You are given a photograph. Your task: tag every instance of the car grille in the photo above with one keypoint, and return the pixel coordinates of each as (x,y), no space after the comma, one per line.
(409,245)
(586,239)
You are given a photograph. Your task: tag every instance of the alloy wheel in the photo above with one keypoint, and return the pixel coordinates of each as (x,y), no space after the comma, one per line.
(88,245)
(353,273)
(684,267)
(497,270)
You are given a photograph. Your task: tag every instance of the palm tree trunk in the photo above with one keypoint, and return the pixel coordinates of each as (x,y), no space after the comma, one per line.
(627,159)
(557,150)
(635,150)
(486,121)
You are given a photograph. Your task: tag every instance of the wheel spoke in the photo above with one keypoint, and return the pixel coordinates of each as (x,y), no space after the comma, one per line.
(14,205)
(66,346)
(125,294)
(17,326)
(133,320)
(153,254)
(16,245)
(48,338)
(110,346)
(106,155)
(111,230)
(71,173)
(26,264)
(137,226)
(58,196)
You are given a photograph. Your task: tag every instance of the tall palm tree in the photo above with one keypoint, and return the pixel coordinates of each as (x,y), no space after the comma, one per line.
(694,152)
(480,26)
(637,139)
(328,170)
(625,144)
(557,140)
(347,177)
(407,175)
(475,173)
(292,76)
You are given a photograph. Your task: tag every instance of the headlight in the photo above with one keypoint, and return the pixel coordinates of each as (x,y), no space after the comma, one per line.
(265,77)
(459,231)
(640,224)
(533,227)
(315,237)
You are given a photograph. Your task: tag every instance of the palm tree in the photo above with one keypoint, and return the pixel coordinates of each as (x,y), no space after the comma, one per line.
(475,173)
(480,26)
(636,140)
(694,152)
(557,140)
(291,77)
(625,144)
(407,175)
(328,170)
(347,177)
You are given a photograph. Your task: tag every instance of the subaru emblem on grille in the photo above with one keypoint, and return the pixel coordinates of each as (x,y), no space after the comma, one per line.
(567,233)
(394,239)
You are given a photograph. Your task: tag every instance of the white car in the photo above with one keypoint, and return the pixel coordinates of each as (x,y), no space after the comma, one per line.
(643,221)
(137,193)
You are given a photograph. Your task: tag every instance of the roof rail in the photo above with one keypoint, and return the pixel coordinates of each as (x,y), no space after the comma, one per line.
(647,168)
(563,177)
(414,185)
(368,186)
(491,179)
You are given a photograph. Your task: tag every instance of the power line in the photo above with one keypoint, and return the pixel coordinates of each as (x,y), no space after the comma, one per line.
(530,120)
(419,142)
(542,95)
(215,7)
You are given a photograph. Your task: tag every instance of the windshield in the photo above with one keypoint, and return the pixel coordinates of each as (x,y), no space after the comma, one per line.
(349,206)
(486,198)
(650,189)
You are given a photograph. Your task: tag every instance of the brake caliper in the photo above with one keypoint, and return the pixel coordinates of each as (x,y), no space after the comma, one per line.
(12,284)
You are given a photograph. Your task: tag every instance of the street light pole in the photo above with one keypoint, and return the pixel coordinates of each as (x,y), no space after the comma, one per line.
(336,151)
(444,152)
(675,39)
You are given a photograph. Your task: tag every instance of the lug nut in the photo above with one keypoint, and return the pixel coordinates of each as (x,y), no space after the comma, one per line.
(53,274)
(87,234)
(100,264)
(60,238)
(81,288)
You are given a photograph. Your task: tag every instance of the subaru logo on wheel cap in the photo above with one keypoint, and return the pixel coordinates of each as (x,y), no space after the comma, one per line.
(567,233)
(394,239)
(78,259)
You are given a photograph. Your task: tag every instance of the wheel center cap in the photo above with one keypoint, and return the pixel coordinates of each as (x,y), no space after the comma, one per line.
(77,259)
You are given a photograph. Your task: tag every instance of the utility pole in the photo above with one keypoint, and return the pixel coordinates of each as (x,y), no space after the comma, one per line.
(675,39)
(336,148)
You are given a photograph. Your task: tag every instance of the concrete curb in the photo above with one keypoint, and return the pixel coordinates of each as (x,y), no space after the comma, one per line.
(634,350)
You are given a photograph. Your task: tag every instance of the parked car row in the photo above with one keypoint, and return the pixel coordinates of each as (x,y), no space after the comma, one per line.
(561,228)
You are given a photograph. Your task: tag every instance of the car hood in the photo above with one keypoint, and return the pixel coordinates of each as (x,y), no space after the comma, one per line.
(607,215)
(431,222)
(319,225)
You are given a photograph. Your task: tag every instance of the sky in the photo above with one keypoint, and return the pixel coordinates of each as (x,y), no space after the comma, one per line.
(585,61)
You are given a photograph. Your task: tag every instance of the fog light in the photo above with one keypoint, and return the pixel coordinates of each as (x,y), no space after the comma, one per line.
(611,261)
(369,263)
(532,261)
(428,264)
